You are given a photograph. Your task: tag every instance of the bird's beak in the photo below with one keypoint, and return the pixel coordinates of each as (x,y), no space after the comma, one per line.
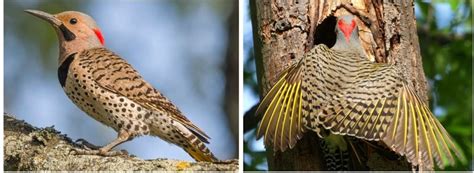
(46,16)
(58,24)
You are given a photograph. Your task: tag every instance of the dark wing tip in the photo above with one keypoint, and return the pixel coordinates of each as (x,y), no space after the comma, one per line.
(203,137)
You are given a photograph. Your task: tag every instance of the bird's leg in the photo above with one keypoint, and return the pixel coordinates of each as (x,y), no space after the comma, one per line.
(121,138)
(105,150)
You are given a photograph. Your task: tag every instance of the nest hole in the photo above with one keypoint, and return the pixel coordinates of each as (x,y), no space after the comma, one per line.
(325,32)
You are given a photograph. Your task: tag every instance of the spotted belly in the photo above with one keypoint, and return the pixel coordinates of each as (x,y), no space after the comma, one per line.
(119,112)
(106,107)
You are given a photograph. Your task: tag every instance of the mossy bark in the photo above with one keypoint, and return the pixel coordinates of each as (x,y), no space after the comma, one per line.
(28,148)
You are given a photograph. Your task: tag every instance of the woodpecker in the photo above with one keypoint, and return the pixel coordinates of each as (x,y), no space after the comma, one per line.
(111,91)
(338,93)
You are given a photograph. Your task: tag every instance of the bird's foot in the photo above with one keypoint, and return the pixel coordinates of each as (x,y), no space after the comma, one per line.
(87,145)
(100,152)
(91,149)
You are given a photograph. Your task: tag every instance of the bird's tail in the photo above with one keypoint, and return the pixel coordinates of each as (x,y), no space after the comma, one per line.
(198,150)
(335,152)
(188,137)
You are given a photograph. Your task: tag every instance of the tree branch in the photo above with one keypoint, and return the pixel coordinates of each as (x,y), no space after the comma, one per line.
(31,148)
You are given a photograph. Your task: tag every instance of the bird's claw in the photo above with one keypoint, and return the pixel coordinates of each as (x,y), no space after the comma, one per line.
(100,152)
(87,145)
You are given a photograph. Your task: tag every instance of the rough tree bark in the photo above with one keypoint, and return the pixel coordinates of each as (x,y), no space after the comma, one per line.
(30,148)
(285,29)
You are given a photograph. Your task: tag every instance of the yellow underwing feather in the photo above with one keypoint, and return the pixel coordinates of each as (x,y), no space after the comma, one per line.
(281,121)
(300,105)
(446,151)
(292,113)
(270,95)
(274,92)
(415,128)
(438,145)
(397,114)
(276,141)
(432,135)
(271,127)
(425,133)
(412,131)
(287,113)
(405,127)
(292,117)
(425,140)
(453,145)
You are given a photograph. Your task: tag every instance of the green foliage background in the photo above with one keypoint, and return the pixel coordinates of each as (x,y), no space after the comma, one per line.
(447,62)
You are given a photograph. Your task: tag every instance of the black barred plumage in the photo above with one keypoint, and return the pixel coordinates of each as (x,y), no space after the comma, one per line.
(338,90)
(123,100)
(336,154)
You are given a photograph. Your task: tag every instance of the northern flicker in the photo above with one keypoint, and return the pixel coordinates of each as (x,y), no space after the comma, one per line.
(108,89)
(338,93)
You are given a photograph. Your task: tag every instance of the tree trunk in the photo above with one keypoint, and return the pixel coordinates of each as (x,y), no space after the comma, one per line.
(284,30)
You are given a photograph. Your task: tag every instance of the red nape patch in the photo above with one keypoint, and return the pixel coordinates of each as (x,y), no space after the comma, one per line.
(346,29)
(99,36)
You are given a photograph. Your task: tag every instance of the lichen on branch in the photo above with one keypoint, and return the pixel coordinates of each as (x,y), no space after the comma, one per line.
(32,148)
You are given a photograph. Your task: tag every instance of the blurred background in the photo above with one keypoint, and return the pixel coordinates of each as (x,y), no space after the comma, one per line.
(186,49)
(445,35)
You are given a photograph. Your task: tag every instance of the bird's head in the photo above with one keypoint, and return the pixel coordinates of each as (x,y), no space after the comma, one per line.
(76,31)
(346,28)
(347,35)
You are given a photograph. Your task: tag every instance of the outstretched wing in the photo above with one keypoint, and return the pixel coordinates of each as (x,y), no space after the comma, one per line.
(116,75)
(280,109)
(416,133)
(291,105)
(381,107)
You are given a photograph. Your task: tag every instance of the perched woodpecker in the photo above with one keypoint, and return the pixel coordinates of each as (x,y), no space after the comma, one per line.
(338,93)
(108,89)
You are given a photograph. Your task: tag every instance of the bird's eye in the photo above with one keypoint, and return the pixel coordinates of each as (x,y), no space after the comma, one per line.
(73,21)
